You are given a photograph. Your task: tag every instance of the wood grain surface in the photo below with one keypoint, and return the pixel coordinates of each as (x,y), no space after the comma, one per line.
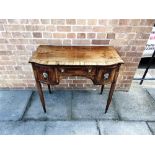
(76,55)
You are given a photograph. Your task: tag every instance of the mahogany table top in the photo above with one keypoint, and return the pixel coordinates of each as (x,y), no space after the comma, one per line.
(76,55)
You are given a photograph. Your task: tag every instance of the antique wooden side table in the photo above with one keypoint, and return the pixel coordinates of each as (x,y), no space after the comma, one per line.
(99,63)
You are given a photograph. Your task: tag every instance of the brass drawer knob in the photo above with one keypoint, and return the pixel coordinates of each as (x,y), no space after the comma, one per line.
(62,70)
(45,75)
(89,70)
(106,75)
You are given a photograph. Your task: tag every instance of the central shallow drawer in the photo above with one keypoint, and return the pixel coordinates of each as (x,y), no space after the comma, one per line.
(76,71)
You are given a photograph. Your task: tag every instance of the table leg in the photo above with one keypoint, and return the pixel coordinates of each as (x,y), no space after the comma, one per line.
(102,87)
(112,88)
(49,89)
(38,84)
(41,95)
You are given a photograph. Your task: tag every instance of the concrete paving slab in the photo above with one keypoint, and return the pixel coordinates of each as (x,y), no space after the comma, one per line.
(123,128)
(72,128)
(135,105)
(151,92)
(152,127)
(91,105)
(22,128)
(13,104)
(58,105)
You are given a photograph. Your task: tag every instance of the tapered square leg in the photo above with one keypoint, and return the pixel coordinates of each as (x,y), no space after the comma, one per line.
(41,95)
(112,88)
(102,87)
(110,96)
(38,84)
(49,88)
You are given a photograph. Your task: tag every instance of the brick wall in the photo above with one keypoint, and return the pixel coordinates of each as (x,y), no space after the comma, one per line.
(18,38)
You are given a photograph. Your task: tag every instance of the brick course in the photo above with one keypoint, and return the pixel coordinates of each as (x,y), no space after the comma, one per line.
(20,37)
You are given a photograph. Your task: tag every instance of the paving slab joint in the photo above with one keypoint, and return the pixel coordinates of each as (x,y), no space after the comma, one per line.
(114,105)
(71,117)
(27,107)
(149,94)
(149,128)
(97,127)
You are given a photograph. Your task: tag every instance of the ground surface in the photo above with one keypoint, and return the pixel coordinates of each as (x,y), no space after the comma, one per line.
(78,112)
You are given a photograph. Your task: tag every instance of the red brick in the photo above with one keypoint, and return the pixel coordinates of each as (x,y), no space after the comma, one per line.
(102,29)
(3,62)
(79,85)
(55,42)
(21,34)
(82,28)
(124,29)
(150,22)
(3,41)
(79,41)
(1,28)
(142,36)
(5,52)
(3,47)
(142,22)
(19,41)
(59,35)
(120,42)
(92,21)
(79,81)
(141,29)
(13,21)
(125,36)
(50,28)
(41,41)
(99,42)
(133,54)
(113,22)
(3,21)
(123,21)
(130,36)
(70,21)
(137,59)
(71,35)
(15,27)
(45,21)
(140,48)
(11,47)
(111,36)
(72,85)
(120,35)
(63,28)
(23,21)
(130,39)
(135,22)
(103,22)
(58,21)
(81,21)
(67,42)
(101,35)
(35,28)
(20,47)
(91,35)
(47,35)
(37,35)
(6,34)
(137,42)
(63,85)
(34,21)
(81,35)
(30,47)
